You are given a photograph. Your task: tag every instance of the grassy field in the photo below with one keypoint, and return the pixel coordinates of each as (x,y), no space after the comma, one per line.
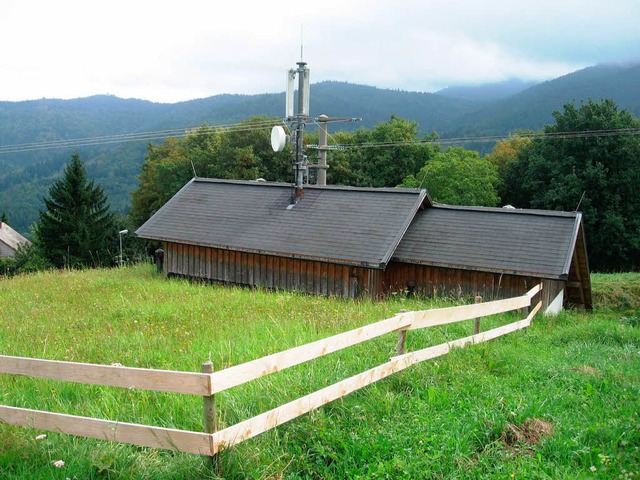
(558,400)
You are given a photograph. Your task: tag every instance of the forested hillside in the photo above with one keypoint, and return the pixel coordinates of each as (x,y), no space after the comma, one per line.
(532,108)
(25,176)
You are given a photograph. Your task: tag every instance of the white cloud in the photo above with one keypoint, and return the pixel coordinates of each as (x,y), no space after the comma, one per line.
(168,51)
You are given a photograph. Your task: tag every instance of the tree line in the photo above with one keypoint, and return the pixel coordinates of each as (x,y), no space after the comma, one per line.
(557,169)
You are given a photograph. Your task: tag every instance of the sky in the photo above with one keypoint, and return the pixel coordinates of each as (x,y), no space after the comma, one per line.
(175,51)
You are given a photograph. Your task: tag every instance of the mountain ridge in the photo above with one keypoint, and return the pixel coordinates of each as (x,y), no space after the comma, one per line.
(25,177)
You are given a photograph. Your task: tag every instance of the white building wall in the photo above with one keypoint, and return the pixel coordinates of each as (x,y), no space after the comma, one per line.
(555,306)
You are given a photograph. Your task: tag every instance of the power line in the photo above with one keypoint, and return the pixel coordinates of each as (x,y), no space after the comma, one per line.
(494,138)
(133,137)
(264,124)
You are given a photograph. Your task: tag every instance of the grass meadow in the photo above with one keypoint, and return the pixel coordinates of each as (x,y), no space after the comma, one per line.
(560,400)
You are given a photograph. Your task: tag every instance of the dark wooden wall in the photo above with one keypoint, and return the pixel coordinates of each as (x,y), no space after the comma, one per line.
(437,281)
(269,271)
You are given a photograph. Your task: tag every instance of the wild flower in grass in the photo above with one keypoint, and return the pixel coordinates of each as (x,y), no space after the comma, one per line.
(58,463)
(593,468)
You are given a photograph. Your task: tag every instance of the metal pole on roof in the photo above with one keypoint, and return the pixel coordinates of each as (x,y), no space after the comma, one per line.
(300,120)
(322,150)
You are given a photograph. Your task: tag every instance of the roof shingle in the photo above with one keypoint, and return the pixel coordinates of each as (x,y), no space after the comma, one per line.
(337,224)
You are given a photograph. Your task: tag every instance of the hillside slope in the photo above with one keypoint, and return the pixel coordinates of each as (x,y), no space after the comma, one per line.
(532,108)
(25,177)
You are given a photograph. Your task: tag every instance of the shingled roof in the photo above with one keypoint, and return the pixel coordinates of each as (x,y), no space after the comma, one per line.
(523,242)
(353,226)
(10,239)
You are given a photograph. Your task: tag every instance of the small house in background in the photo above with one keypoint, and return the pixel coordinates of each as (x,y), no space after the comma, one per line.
(353,242)
(10,240)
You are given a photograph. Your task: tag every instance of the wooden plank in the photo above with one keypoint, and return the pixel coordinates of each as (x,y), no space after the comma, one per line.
(251,268)
(126,377)
(219,264)
(226,266)
(142,435)
(346,277)
(532,293)
(317,278)
(331,279)
(276,273)
(270,268)
(438,350)
(442,316)
(206,259)
(324,279)
(261,423)
(245,372)
(311,279)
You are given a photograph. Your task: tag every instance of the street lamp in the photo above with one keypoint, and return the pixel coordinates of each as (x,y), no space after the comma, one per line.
(120,233)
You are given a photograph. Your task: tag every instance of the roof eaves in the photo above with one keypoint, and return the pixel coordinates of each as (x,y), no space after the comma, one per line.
(571,249)
(474,268)
(176,195)
(405,226)
(274,253)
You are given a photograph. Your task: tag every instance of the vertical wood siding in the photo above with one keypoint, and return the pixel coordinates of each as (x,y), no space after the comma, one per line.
(272,272)
(436,281)
(324,278)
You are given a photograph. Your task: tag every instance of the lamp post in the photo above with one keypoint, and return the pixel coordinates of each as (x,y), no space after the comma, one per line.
(120,233)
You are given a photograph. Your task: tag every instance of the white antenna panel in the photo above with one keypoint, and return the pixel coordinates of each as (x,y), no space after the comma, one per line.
(307,91)
(291,77)
(278,138)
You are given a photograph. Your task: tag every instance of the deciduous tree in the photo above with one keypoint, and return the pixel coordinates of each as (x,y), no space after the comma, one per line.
(589,161)
(458,177)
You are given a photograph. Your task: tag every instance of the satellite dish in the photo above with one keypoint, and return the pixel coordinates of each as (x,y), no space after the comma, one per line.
(278,138)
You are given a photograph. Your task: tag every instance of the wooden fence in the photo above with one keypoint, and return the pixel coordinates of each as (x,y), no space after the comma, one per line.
(208,383)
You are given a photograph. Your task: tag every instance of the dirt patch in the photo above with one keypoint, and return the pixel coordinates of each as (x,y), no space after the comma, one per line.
(587,369)
(526,435)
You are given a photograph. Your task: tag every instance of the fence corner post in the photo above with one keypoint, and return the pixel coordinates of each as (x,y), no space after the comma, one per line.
(209,410)
(476,321)
(401,346)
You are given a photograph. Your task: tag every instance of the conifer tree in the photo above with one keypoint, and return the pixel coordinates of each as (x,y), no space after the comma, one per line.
(77,228)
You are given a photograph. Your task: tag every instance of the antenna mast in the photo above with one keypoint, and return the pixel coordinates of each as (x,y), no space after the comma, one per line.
(298,121)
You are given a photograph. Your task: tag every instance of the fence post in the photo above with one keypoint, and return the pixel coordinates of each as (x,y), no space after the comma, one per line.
(401,346)
(210,419)
(476,321)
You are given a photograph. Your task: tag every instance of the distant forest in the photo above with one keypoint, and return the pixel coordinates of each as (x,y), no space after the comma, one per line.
(27,170)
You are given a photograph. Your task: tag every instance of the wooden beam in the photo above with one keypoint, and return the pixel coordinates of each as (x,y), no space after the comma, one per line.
(142,435)
(266,421)
(245,372)
(442,349)
(576,265)
(442,316)
(114,376)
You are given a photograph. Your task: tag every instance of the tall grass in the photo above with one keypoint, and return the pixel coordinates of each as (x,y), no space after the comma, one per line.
(441,419)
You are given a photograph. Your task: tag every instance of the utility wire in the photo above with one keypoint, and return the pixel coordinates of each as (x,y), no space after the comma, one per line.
(134,137)
(264,124)
(447,141)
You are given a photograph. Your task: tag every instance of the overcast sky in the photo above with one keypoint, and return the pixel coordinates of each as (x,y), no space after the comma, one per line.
(173,51)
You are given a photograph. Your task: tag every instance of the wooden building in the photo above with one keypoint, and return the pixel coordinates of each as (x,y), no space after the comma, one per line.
(10,240)
(351,242)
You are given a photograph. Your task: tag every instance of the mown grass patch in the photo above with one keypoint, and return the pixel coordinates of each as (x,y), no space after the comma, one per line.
(454,417)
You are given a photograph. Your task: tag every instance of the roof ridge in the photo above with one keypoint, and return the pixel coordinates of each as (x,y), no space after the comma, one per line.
(514,211)
(346,188)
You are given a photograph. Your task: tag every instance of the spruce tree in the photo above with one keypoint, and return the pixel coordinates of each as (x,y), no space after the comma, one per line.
(77,228)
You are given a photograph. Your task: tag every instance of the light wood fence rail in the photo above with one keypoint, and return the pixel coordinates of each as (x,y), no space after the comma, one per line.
(208,384)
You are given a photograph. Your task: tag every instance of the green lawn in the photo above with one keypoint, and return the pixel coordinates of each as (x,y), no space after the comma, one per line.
(558,400)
